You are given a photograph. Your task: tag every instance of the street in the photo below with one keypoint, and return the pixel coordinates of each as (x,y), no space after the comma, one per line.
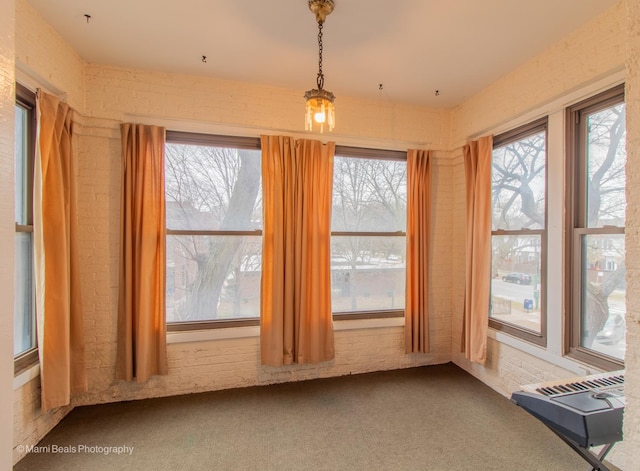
(512,291)
(531,320)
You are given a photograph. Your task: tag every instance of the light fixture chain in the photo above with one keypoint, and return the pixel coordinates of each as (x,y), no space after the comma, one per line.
(319,109)
(320,74)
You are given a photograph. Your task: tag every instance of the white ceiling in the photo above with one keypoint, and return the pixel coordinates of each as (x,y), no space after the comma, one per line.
(412,47)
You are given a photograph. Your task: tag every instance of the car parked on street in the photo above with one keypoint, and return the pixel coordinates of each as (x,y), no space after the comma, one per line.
(517,278)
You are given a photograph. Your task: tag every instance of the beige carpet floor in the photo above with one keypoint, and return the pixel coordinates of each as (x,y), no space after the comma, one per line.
(428,418)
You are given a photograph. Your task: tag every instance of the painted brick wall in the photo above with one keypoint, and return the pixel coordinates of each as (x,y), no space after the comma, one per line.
(119,94)
(632,360)
(7,218)
(194,367)
(29,423)
(207,365)
(177,101)
(565,69)
(105,96)
(46,57)
(42,59)
(594,51)
(231,363)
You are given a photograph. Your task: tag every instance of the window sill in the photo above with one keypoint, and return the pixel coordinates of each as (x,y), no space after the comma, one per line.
(25,376)
(578,368)
(374,323)
(204,335)
(254,331)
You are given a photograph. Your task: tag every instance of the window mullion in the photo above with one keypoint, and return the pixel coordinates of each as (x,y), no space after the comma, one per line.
(256,232)
(368,234)
(502,232)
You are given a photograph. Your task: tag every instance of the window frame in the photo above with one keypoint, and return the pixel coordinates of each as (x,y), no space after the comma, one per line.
(212,140)
(576,224)
(505,138)
(26,99)
(369,154)
(191,138)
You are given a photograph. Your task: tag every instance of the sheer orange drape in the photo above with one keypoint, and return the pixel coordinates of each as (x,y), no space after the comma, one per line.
(56,263)
(296,322)
(141,320)
(418,243)
(477,165)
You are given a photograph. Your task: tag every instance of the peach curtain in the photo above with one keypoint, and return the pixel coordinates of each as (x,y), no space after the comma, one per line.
(297,182)
(56,260)
(141,319)
(418,243)
(477,165)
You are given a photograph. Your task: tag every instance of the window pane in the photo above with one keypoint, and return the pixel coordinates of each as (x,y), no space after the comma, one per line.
(518,184)
(24,334)
(213,277)
(515,285)
(369,195)
(212,188)
(603,294)
(21,165)
(24,337)
(606,159)
(367,273)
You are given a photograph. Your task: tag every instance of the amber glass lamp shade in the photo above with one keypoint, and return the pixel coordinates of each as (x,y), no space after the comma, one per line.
(320,112)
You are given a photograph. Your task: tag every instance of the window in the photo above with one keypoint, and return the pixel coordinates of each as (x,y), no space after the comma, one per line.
(214,230)
(368,232)
(519,214)
(24,323)
(596,221)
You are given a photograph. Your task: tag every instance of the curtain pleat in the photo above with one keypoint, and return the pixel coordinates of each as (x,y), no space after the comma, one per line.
(141,316)
(419,164)
(477,165)
(296,320)
(58,298)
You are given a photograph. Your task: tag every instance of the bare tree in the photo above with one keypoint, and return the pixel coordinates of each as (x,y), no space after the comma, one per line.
(518,201)
(518,184)
(210,189)
(369,195)
(607,157)
(605,206)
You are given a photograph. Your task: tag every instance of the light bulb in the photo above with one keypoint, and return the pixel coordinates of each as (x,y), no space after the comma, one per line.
(319,117)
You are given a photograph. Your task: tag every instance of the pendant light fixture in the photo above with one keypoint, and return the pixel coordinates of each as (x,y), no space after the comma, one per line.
(320,111)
